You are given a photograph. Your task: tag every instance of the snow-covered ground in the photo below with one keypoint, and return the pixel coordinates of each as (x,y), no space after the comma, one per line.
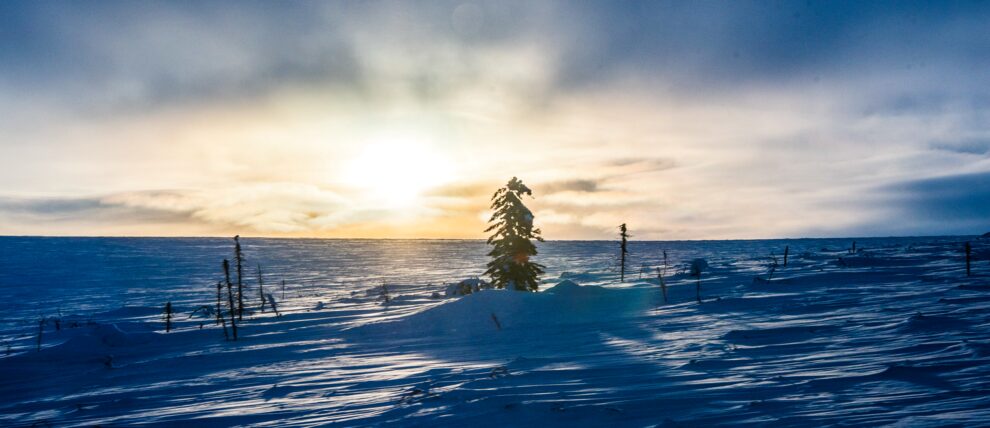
(893,334)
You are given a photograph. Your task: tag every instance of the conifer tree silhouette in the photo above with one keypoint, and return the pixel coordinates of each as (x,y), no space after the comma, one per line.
(512,224)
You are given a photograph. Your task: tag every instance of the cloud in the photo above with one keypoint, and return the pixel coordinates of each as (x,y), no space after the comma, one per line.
(588,186)
(949,204)
(265,208)
(36,215)
(687,120)
(973,146)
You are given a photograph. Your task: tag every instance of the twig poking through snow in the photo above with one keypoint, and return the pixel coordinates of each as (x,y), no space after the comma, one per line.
(271,301)
(497,324)
(230,297)
(698,266)
(168,317)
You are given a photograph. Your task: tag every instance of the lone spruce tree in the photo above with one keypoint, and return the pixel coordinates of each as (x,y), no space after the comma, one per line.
(512,224)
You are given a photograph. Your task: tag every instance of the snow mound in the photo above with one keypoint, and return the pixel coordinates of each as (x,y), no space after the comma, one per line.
(580,276)
(467,286)
(571,289)
(491,311)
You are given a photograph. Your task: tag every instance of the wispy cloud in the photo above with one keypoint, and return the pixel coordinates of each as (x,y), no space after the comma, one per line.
(683,119)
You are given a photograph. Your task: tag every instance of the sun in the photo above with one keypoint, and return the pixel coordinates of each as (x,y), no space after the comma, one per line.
(394,170)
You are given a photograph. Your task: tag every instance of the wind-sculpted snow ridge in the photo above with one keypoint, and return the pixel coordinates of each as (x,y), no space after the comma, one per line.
(895,334)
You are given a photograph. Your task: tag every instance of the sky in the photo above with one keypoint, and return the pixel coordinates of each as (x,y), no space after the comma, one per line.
(685,120)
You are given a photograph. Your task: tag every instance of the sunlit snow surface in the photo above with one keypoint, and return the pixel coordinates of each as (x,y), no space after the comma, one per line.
(894,334)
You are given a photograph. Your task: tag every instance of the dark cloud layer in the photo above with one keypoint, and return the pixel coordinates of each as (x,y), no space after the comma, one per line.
(961,202)
(174,51)
(55,210)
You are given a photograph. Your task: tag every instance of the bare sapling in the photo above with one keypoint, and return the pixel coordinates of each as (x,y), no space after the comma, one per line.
(773,266)
(271,301)
(384,296)
(168,317)
(697,267)
(498,325)
(41,331)
(239,261)
(205,309)
(219,301)
(283,290)
(853,249)
(969,252)
(220,319)
(787,249)
(623,251)
(261,289)
(230,297)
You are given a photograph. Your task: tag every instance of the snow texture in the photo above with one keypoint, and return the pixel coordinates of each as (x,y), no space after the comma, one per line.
(895,334)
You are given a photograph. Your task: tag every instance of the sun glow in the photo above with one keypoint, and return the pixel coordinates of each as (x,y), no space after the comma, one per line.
(392,171)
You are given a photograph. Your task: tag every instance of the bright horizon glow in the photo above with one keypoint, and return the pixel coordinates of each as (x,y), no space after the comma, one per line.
(394,169)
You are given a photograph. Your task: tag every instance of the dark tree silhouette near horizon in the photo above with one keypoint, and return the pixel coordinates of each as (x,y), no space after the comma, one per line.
(624,235)
(239,260)
(512,224)
(230,297)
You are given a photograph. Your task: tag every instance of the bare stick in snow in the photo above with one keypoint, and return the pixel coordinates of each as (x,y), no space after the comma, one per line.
(168,317)
(230,297)
(41,331)
(220,319)
(271,301)
(697,266)
(787,249)
(219,300)
(623,250)
(261,288)
(239,259)
(773,267)
(497,324)
(384,296)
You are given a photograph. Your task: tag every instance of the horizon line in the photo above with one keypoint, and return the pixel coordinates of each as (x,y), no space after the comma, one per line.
(3,236)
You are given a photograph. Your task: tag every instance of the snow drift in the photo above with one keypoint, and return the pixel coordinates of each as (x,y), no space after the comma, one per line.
(489,311)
